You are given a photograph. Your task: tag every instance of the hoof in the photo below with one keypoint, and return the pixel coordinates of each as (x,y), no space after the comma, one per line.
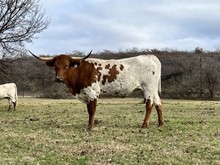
(144,125)
(89,127)
(160,124)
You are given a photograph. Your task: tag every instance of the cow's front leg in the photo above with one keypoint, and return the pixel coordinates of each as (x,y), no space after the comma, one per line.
(91,108)
(149,107)
(9,104)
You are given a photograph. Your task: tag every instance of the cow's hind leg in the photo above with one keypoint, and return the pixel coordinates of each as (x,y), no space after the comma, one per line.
(91,108)
(14,103)
(149,107)
(159,114)
(157,103)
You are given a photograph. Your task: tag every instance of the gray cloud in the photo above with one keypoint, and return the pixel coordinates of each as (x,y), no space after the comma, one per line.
(118,25)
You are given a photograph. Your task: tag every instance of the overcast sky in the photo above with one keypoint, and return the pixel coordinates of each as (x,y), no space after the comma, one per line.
(115,25)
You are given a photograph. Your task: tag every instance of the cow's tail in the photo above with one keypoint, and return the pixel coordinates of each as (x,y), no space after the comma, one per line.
(16,96)
(159,86)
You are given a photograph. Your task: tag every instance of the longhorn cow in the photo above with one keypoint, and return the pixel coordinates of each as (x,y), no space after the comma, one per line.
(88,78)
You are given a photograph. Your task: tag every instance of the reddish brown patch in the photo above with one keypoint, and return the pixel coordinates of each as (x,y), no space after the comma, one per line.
(112,75)
(91,108)
(159,114)
(99,73)
(148,112)
(107,66)
(86,74)
(82,76)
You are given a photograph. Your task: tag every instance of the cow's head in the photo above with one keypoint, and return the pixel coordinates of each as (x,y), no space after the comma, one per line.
(62,64)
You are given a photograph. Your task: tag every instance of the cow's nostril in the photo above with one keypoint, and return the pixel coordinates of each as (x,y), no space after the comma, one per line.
(59,79)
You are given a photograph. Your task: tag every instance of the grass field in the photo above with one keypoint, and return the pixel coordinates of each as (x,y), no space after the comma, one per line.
(46,131)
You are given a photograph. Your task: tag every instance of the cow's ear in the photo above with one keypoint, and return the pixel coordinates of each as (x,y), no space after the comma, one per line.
(50,63)
(74,63)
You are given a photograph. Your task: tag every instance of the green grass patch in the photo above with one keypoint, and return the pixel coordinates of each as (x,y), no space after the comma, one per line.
(47,131)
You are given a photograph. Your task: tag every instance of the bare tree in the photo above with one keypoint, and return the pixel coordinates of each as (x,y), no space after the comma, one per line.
(20,20)
(211,77)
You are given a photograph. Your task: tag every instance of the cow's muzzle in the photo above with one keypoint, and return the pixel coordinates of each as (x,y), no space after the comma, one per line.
(58,79)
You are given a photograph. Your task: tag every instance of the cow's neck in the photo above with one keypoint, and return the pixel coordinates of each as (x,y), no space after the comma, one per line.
(73,82)
(81,77)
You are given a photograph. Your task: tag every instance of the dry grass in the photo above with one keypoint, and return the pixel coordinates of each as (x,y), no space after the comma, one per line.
(47,131)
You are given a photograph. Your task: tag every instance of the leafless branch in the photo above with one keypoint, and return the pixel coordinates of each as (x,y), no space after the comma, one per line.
(20,20)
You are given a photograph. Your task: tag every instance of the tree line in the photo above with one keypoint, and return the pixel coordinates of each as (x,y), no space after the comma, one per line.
(185,75)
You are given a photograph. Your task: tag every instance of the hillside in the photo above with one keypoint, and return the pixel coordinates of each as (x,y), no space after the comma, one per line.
(184,74)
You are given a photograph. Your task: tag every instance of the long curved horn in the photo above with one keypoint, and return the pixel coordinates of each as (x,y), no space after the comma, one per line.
(87,55)
(41,58)
(82,58)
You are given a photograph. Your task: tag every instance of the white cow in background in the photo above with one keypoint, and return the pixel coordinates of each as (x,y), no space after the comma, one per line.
(9,91)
